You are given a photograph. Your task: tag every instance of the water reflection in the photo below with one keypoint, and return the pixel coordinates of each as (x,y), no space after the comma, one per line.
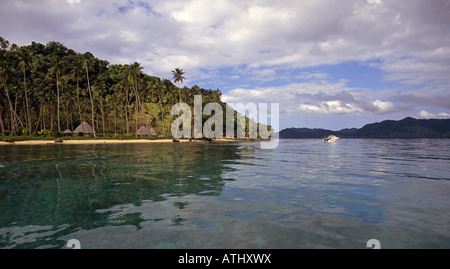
(303,194)
(60,189)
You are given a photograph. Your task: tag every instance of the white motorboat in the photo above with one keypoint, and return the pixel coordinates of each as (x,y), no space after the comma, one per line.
(330,139)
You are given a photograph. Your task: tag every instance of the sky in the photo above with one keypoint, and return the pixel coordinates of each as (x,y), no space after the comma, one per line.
(327,63)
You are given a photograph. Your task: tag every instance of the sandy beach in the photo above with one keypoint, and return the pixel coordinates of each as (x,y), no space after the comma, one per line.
(109,141)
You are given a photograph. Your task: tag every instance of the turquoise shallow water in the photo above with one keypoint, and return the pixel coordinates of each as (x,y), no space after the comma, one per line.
(303,194)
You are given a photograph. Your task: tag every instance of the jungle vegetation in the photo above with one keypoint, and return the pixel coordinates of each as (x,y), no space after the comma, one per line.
(46,89)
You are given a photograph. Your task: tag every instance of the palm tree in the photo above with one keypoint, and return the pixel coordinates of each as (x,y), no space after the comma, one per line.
(55,69)
(39,86)
(217,95)
(87,66)
(4,74)
(77,72)
(151,90)
(14,47)
(178,78)
(4,44)
(133,72)
(24,57)
(125,84)
(100,90)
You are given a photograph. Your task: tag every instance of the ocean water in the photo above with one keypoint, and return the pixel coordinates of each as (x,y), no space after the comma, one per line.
(303,194)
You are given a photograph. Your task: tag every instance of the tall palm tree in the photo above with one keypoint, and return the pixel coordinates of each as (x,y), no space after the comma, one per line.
(14,47)
(100,90)
(151,90)
(125,84)
(24,57)
(40,89)
(4,74)
(4,44)
(134,71)
(217,95)
(87,66)
(77,72)
(178,78)
(55,69)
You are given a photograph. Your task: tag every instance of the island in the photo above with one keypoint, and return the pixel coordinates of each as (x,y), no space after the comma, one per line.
(406,128)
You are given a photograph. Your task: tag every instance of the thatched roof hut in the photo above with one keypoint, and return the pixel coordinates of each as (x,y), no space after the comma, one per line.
(67,132)
(84,128)
(144,131)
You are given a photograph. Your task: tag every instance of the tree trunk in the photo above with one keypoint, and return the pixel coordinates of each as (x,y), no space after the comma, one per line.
(136,112)
(71,119)
(2,127)
(97,117)
(138,99)
(150,112)
(103,118)
(92,100)
(39,118)
(11,110)
(67,115)
(126,112)
(162,116)
(15,113)
(57,109)
(26,101)
(43,117)
(12,119)
(115,120)
(52,113)
(78,100)
(17,117)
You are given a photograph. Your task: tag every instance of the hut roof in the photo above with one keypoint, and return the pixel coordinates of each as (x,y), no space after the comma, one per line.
(84,128)
(144,131)
(68,131)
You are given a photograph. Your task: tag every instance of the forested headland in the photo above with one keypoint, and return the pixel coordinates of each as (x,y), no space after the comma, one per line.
(47,89)
(406,128)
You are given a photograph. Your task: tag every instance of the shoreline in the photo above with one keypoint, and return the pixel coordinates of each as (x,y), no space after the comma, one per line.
(117,141)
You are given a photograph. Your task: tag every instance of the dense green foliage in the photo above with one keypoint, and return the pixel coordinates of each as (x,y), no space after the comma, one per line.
(54,88)
(406,128)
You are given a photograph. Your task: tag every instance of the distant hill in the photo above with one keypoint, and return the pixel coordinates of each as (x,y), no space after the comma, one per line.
(405,128)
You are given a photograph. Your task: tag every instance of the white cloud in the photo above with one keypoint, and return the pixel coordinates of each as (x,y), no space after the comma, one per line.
(383,107)
(310,75)
(288,93)
(331,107)
(426,114)
(314,97)
(261,43)
(410,37)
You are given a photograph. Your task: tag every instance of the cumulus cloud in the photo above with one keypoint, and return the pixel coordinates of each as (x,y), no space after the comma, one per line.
(426,114)
(383,107)
(314,96)
(335,107)
(270,47)
(410,37)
